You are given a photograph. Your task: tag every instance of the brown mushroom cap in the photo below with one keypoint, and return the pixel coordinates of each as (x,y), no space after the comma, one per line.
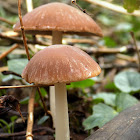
(60,64)
(58,17)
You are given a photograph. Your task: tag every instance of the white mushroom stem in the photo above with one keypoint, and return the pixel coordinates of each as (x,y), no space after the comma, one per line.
(52,103)
(61,107)
(56,39)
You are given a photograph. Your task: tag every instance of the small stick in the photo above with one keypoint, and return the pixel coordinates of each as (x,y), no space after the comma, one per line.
(103,50)
(19,40)
(47,130)
(126,57)
(6,21)
(20,86)
(137,50)
(10,72)
(22,29)
(110,66)
(10,33)
(7,52)
(29,135)
(83,10)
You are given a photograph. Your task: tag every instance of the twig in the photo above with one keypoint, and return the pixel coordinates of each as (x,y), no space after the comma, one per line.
(22,133)
(20,86)
(113,7)
(10,33)
(10,72)
(29,135)
(12,112)
(110,66)
(126,57)
(103,50)
(7,52)
(19,40)
(22,29)
(6,21)
(83,10)
(83,40)
(137,50)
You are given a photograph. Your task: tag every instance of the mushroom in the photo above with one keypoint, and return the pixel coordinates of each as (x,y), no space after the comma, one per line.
(59,65)
(56,19)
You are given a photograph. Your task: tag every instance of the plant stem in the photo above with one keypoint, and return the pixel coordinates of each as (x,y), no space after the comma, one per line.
(20,41)
(22,29)
(10,50)
(61,107)
(20,86)
(6,21)
(29,135)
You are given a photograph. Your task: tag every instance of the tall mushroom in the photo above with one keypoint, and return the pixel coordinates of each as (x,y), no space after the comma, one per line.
(57,19)
(59,65)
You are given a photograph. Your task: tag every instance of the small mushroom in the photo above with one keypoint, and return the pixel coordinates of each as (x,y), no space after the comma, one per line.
(59,65)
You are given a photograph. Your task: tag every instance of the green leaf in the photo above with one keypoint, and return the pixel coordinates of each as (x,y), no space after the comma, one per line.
(110,86)
(98,100)
(109,98)
(81,84)
(124,100)
(13,118)
(6,124)
(25,100)
(101,114)
(17,65)
(128,81)
(109,42)
(131,5)
(43,92)
(42,120)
